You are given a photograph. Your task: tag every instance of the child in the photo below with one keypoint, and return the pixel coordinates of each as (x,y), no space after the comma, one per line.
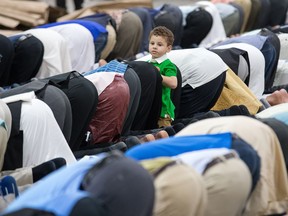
(160,43)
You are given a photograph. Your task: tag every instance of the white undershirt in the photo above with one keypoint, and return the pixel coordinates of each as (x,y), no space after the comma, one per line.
(200,159)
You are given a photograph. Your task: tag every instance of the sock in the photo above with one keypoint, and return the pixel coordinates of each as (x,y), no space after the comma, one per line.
(178,127)
(59,162)
(132,141)
(235,110)
(42,170)
(120,146)
(170,130)
(244,110)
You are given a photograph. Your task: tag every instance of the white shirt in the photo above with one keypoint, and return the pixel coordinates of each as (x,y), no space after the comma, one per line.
(217,32)
(225,10)
(257,67)
(198,66)
(43,139)
(27,96)
(281,76)
(101,80)
(278,111)
(81,45)
(283,37)
(56,58)
(159,60)
(201,158)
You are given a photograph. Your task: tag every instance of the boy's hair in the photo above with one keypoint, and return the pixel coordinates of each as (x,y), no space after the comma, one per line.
(163,32)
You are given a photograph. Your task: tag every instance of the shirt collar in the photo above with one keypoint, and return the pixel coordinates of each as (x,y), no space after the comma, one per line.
(160,59)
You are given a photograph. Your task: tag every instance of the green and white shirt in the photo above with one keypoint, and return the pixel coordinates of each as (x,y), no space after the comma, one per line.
(167,68)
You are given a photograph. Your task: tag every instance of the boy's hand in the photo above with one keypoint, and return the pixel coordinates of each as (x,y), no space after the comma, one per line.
(158,68)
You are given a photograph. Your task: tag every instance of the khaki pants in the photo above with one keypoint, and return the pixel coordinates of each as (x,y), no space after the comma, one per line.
(111,41)
(23,176)
(179,191)
(228,184)
(271,193)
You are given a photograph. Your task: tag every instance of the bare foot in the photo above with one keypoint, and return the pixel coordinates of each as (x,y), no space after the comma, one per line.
(161,134)
(277,97)
(102,62)
(147,138)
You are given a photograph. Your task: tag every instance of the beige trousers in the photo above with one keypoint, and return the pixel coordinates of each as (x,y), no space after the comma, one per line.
(271,193)
(111,41)
(129,36)
(23,176)
(228,185)
(179,189)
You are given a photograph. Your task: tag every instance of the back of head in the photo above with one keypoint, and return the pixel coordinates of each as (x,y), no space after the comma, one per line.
(121,185)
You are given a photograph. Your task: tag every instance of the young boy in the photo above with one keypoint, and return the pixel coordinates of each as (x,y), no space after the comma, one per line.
(160,43)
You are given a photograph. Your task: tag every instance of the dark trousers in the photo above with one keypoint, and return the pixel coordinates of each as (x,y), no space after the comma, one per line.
(134,84)
(200,99)
(83,98)
(150,103)
(278,11)
(280,129)
(6,59)
(100,44)
(271,52)
(250,157)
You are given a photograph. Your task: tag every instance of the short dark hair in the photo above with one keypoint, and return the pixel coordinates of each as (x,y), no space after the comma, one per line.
(163,32)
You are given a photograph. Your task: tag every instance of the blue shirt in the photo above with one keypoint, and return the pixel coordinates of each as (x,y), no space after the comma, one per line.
(255,40)
(95,28)
(177,145)
(60,196)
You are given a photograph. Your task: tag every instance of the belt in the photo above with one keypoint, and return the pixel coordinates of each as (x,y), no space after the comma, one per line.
(161,169)
(220,159)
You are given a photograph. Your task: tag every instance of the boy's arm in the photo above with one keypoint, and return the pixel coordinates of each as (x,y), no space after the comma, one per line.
(170,81)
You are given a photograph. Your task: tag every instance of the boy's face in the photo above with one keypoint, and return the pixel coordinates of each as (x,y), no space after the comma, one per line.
(158,46)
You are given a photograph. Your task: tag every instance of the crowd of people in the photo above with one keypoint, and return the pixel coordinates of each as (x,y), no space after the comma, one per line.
(169,111)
